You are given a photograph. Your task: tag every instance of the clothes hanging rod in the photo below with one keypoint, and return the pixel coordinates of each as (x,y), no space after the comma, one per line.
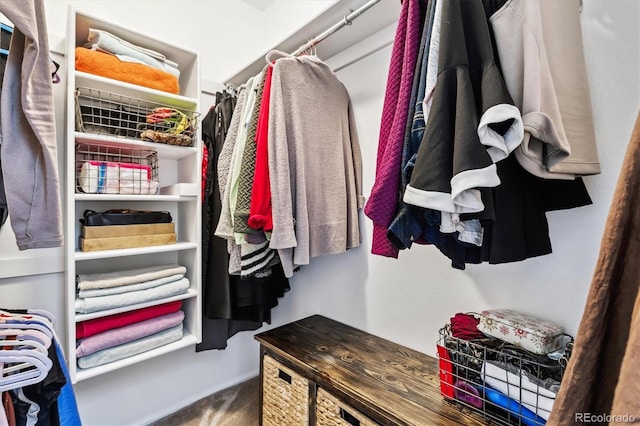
(347,20)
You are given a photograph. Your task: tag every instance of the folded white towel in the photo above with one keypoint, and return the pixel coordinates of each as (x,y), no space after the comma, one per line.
(534,397)
(128,52)
(97,292)
(136,179)
(94,304)
(88,177)
(98,177)
(129,276)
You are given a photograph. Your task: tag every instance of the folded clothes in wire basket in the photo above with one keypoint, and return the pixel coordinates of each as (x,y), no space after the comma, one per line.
(501,381)
(97,177)
(102,112)
(108,169)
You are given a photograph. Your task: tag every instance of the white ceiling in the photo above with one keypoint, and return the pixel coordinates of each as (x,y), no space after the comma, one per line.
(261,5)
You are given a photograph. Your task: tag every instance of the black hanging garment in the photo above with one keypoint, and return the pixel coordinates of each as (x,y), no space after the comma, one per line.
(38,402)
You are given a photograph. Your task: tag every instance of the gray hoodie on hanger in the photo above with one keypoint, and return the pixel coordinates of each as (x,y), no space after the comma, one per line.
(28,149)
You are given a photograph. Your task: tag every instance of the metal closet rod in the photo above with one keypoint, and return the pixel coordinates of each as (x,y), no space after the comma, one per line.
(347,20)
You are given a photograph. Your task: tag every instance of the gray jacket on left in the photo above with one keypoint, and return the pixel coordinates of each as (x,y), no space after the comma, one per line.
(28,147)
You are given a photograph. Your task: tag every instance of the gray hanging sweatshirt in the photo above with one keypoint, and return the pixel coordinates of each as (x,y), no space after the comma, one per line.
(315,165)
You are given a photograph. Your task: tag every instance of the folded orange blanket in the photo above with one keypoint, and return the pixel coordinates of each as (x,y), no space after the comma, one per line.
(109,66)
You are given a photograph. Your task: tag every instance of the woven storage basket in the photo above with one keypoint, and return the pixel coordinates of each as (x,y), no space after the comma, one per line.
(330,411)
(285,400)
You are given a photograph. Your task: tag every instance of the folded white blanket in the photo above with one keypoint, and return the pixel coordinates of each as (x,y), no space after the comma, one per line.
(97,292)
(135,347)
(129,276)
(129,52)
(101,303)
(534,397)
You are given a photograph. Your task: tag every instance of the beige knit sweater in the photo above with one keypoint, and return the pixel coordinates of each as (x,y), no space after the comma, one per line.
(540,48)
(315,165)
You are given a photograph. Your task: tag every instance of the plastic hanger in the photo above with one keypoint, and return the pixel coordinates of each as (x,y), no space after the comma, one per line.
(26,326)
(9,381)
(311,51)
(43,313)
(30,312)
(39,315)
(31,319)
(36,367)
(25,334)
(269,56)
(25,348)
(22,345)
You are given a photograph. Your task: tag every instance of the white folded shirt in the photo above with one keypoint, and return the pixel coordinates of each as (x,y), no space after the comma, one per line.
(536,398)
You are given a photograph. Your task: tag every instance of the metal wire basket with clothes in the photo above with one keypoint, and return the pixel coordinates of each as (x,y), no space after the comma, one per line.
(102,112)
(500,380)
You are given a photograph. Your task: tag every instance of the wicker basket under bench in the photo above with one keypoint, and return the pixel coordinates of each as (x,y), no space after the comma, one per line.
(317,371)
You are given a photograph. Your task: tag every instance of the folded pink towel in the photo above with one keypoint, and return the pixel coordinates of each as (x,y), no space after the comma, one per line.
(128,333)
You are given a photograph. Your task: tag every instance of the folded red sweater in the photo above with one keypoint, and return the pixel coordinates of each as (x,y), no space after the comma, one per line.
(98,325)
(465,326)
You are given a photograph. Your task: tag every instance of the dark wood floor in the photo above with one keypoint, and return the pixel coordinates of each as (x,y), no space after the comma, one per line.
(235,406)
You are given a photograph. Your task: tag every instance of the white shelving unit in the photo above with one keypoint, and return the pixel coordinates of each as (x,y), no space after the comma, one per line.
(176,164)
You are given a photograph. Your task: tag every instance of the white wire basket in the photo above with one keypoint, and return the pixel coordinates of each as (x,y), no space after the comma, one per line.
(110,169)
(102,112)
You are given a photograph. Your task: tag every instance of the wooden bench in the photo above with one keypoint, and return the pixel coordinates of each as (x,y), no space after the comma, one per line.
(317,371)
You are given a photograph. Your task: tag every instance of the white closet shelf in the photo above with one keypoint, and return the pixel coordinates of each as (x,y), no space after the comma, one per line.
(118,197)
(104,254)
(190,293)
(178,169)
(170,152)
(186,341)
(84,79)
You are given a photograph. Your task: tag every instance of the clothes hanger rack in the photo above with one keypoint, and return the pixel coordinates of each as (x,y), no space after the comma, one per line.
(347,20)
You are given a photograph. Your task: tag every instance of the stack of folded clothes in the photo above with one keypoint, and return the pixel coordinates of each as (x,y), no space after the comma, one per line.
(115,337)
(111,290)
(110,56)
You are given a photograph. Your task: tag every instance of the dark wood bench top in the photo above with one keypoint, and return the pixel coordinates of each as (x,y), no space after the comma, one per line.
(384,380)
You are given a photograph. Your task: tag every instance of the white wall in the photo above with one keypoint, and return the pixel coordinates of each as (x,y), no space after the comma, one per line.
(404,300)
